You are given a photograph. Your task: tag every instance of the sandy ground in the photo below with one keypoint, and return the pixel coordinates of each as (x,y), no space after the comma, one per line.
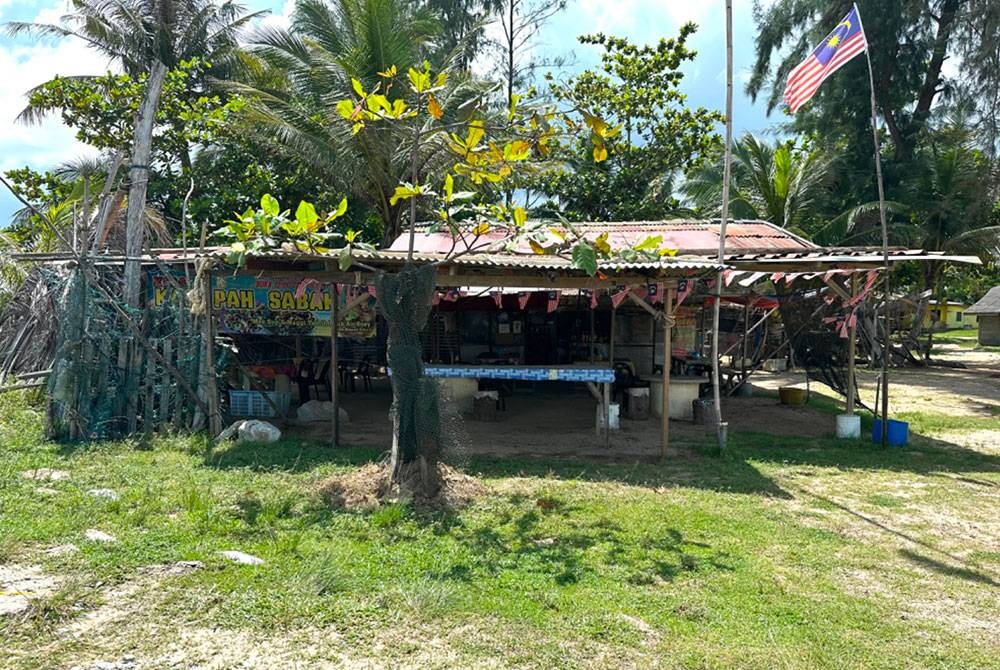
(552,421)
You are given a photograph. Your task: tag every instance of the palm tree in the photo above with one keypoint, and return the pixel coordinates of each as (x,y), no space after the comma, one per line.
(295,77)
(778,183)
(951,204)
(146,38)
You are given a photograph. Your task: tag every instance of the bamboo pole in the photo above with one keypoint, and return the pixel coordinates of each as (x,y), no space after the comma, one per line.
(720,425)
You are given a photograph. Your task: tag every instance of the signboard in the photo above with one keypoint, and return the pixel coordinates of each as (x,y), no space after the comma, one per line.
(265,305)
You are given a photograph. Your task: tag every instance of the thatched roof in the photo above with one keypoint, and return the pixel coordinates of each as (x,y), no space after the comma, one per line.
(988,304)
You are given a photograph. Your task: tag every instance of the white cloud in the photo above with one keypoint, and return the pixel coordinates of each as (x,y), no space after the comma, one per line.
(26,65)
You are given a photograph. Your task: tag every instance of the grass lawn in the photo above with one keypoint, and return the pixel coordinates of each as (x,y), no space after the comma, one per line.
(778,554)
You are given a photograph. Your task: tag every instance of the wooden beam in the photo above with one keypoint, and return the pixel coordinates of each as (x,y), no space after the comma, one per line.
(668,321)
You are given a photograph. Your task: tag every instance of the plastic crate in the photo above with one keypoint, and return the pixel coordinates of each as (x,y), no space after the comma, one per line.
(254,403)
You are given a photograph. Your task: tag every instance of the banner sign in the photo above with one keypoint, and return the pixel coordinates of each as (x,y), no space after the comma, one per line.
(263,305)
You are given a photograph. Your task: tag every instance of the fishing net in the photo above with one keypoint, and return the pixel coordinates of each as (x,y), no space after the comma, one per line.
(811,326)
(117,371)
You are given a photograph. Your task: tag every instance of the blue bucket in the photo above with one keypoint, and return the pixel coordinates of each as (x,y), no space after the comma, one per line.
(899,432)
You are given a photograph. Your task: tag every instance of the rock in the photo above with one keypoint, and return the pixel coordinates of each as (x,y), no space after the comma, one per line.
(62,550)
(319,410)
(240,557)
(258,431)
(46,491)
(106,494)
(95,535)
(45,475)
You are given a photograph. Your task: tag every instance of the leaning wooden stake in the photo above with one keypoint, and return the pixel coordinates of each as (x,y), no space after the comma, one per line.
(210,381)
(334,363)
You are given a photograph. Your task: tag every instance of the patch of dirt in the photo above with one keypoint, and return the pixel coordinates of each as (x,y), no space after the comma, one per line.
(20,584)
(46,475)
(369,487)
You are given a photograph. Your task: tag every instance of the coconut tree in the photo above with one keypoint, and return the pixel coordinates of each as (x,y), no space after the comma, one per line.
(295,77)
(146,38)
(951,204)
(780,183)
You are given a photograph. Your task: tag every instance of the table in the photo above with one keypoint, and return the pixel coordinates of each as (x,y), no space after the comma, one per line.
(591,375)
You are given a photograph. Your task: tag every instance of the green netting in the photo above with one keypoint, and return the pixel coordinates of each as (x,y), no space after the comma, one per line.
(106,382)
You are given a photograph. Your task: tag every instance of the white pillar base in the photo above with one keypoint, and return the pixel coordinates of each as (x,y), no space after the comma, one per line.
(848,426)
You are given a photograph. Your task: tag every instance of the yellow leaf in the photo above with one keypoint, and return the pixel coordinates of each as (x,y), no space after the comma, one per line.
(481,229)
(390,73)
(520,216)
(434,107)
(600,153)
(442,79)
(475,135)
(346,109)
(601,244)
(449,187)
(537,248)
(518,150)
(358,88)
(558,234)
(404,192)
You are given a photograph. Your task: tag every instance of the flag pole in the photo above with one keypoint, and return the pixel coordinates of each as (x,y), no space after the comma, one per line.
(720,426)
(885,242)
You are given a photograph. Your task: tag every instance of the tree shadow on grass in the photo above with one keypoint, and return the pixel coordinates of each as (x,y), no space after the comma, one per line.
(923,456)
(569,546)
(287,456)
(692,470)
(967,573)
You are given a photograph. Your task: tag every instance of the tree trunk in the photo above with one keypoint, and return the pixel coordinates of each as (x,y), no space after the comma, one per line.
(139,179)
(405,301)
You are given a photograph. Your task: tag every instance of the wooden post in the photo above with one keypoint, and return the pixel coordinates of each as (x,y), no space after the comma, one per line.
(668,322)
(746,338)
(611,337)
(851,352)
(334,363)
(210,381)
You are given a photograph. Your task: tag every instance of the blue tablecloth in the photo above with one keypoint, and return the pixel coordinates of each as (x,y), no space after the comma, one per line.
(524,372)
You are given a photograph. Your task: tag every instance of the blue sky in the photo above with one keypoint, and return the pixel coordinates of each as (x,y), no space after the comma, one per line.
(26,63)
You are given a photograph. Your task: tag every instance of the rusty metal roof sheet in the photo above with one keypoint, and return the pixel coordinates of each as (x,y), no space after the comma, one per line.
(688,237)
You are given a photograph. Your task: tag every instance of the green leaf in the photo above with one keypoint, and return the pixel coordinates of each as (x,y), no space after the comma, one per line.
(270,205)
(340,211)
(585,258)
(306,214)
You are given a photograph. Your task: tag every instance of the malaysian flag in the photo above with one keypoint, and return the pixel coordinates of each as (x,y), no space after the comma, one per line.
(845,42)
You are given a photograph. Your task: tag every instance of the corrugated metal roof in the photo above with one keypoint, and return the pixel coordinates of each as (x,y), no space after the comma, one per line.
(688,237)
(988,304)
(537,261)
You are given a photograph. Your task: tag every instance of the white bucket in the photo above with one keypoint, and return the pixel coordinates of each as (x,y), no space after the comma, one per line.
(612,416)
(848,426)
